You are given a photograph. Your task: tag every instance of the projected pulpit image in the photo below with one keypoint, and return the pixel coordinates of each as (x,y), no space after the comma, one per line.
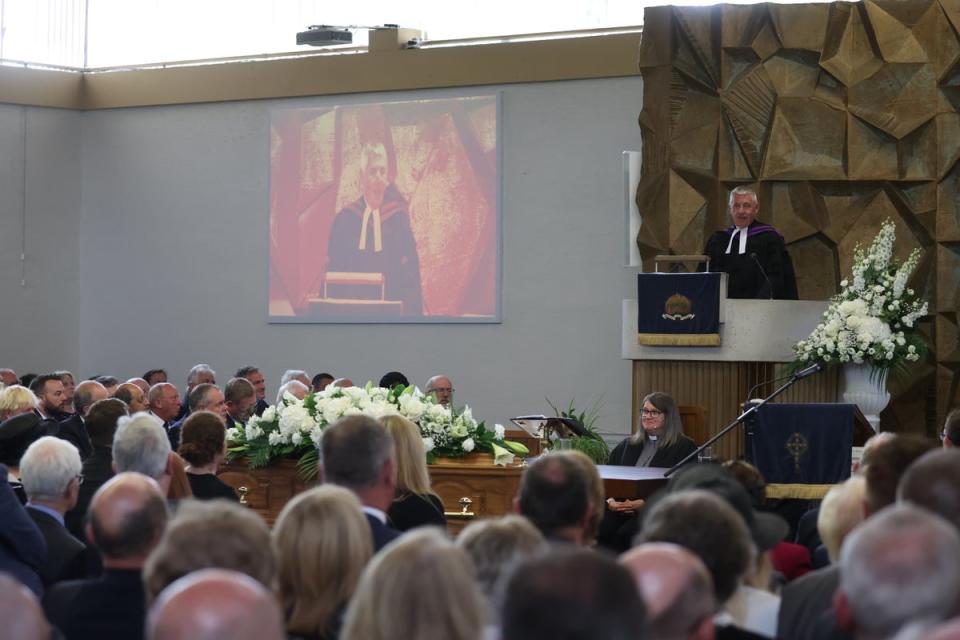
(386,213)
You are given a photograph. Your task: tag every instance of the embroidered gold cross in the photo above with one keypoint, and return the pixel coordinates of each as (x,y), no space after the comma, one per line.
(797,446)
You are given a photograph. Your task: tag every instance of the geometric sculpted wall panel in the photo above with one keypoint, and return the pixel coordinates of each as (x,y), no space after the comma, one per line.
(840,115)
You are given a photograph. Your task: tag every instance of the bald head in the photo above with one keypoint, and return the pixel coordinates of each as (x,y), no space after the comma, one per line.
(86,393)
(141,383)
(215,604)
(21,614)
(9,377)
(676,589)
(127,517)
(133,395)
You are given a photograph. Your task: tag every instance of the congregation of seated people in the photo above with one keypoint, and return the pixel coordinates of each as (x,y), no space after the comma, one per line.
(114,523)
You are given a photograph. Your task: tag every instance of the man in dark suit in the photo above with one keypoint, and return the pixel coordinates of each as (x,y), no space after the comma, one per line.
(554,496)
(203,397)
(73,429)
(255,377)
(50,472)
(240,396)
(358,454)
(98,468)
(164,402)
(199,374)
(127,518)
(53,400)
(22,547)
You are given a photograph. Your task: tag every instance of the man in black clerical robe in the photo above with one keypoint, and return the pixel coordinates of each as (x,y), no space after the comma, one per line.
(752,253)
(373,235)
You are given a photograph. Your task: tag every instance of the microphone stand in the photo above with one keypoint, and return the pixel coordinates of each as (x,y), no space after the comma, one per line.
(753,409)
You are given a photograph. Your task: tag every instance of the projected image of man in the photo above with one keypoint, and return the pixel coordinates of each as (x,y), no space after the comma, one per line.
(373,234)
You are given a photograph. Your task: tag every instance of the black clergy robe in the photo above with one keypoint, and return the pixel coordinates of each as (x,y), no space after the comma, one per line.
(764,246)
(397,260)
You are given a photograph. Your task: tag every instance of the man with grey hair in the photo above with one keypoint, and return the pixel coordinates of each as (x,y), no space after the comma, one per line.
(199,374)
(295,388)
(74,429)
(141,445)
(211,604)
(357,453)
(203,397)
(373,234)
(295,374)
(676,589)
(898,568)
(50,472)
(441,388)
(752,253)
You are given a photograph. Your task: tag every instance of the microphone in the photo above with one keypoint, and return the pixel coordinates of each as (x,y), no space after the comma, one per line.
(809,371)
(760,384)
(765,277)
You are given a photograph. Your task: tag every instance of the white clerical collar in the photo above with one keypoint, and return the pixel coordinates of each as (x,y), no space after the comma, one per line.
(740,233)
(376,513)
(650,437)
(377,240)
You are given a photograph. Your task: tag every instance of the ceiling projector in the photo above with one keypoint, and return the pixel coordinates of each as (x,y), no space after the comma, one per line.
(322,35)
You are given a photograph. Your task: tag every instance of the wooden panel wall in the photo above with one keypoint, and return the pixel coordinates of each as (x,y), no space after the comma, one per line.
(721,387)
(841,115)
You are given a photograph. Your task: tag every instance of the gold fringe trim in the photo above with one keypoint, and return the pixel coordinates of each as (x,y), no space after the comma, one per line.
(679,339)
(798,491)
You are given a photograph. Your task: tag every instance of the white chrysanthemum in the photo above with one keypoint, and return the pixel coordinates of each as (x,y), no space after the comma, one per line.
(296,438)
(275,438)
(294,418)
(498,431)
(412,407)
(428,444)
(468,445)
(316,435)
(233,434)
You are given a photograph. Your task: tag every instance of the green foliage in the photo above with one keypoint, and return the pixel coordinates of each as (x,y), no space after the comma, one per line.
(308,466)
(593,445)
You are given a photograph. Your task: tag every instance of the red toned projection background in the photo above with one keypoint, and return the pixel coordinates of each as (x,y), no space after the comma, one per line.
(442,158)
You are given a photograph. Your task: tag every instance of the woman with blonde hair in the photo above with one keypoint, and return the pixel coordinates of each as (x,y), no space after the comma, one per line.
(322,543)
(420,586)
(416,504)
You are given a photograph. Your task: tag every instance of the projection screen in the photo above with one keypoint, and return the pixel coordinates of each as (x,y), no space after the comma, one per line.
(386,212)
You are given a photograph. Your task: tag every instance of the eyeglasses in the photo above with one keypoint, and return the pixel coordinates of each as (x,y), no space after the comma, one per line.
(650,413)
(79,478)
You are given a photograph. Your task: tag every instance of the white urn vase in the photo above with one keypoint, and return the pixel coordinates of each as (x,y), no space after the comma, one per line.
(866,387)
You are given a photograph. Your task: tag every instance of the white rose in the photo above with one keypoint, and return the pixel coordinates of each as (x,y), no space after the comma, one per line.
(468,445)
(498,431)
(428,444)
(269,414)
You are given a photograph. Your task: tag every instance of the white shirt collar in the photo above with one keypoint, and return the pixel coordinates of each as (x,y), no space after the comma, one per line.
(376,513)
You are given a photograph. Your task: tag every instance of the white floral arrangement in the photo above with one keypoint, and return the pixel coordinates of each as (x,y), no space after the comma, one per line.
(294,428)
(873,320)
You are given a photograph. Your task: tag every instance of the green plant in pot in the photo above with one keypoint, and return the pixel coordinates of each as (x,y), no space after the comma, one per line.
(577,429)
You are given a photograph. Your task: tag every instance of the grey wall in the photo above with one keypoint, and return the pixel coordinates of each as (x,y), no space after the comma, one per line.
(40,195)
(173,254)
